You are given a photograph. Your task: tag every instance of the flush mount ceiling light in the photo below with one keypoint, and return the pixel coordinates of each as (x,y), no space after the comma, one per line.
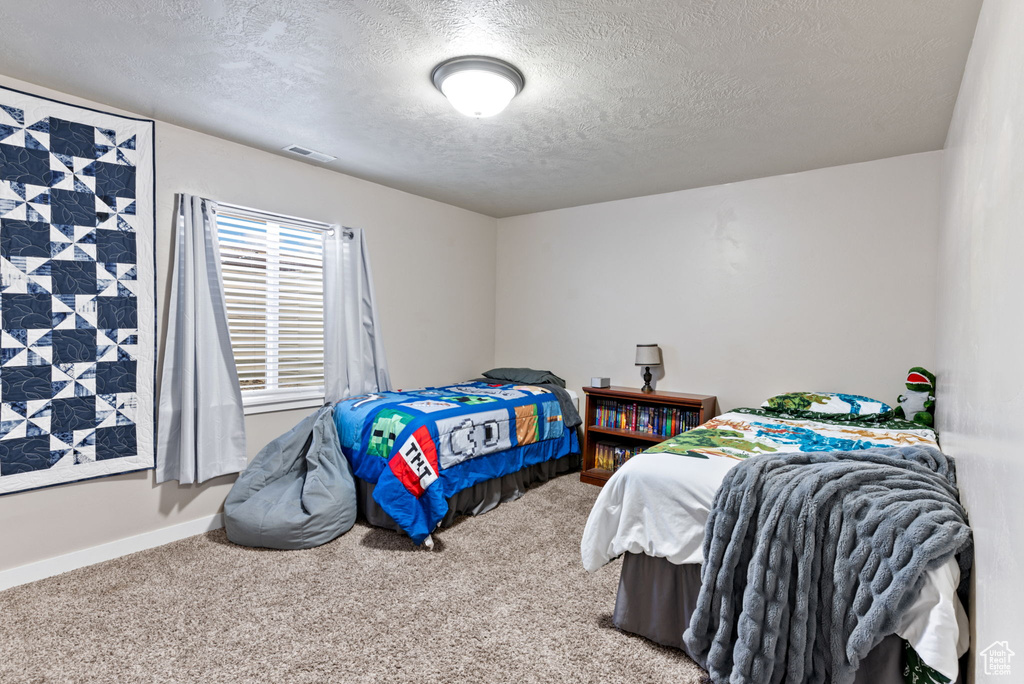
(478,86)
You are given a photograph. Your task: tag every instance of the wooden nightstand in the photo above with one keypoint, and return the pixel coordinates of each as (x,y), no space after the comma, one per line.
(626,419)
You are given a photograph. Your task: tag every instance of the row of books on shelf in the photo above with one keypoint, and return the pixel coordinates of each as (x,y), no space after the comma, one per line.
(653,420)
(610,456)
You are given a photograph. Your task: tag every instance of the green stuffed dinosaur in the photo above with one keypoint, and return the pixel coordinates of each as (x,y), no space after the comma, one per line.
(918,404)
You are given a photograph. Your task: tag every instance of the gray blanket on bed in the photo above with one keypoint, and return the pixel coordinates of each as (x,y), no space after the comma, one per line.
(810,560)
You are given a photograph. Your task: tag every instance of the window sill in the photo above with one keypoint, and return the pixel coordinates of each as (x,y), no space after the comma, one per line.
(282,404)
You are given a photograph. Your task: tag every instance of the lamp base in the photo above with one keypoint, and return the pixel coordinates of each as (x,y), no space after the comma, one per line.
(647,380)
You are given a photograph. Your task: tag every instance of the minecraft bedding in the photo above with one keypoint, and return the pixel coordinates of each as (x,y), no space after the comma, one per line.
(420,447)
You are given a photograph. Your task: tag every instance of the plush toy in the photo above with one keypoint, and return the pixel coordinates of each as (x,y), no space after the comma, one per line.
(918,403)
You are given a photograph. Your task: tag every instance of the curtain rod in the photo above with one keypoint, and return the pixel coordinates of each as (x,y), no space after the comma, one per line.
(314,226)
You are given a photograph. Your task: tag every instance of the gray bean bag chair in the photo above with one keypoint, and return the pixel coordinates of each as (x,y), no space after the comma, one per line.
(297,493)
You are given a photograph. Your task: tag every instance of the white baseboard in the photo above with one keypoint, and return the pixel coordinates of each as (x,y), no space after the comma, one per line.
(104,552)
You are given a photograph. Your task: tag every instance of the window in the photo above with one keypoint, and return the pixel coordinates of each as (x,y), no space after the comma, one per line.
(273,284)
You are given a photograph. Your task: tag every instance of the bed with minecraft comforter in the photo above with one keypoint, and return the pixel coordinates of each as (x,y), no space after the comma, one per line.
(420,456)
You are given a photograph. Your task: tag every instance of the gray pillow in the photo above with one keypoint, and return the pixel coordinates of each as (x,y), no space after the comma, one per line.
(525,376)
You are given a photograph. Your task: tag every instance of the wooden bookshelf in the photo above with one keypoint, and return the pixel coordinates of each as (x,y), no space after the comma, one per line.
(691,410)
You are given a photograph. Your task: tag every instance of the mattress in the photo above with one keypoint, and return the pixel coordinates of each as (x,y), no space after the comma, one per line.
(658,503)
(575,398)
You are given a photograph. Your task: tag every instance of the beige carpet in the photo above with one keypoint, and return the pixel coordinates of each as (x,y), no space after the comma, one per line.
(502,598)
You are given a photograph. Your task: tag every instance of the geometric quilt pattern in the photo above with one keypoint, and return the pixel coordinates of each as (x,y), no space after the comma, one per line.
(77,311)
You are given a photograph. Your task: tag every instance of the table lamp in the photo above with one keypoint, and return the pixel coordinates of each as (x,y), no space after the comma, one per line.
(648,355)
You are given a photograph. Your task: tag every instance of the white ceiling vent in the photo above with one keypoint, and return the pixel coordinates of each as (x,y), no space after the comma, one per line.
(308,153)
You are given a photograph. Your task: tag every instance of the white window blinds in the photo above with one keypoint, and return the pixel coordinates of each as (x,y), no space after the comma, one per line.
(273,283)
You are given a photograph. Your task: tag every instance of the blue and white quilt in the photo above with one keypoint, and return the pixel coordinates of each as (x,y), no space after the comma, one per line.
(420,447)
(77,308)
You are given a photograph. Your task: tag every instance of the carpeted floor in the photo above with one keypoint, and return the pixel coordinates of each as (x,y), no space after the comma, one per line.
(502,598)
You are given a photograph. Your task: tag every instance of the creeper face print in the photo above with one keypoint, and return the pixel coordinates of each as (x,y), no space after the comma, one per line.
(386,427)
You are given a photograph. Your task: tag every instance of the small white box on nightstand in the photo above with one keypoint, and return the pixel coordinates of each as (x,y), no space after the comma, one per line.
(600,382)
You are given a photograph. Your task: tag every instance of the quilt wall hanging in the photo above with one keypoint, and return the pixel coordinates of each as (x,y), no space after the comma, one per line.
(77,283)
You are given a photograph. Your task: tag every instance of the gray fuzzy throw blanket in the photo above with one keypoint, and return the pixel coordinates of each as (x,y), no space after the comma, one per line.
(810,560)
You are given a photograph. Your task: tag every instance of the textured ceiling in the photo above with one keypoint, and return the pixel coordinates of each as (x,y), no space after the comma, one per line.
(621,99)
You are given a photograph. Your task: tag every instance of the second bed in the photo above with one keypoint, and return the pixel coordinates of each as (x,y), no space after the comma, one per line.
(654,509)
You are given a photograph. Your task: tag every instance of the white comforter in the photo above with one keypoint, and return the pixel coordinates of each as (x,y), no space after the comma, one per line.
(658,503)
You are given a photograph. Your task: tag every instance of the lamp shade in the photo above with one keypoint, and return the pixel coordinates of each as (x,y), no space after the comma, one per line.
(648,355)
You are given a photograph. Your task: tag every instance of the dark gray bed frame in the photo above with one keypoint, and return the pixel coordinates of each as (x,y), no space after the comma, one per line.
(648,584)
(479,498)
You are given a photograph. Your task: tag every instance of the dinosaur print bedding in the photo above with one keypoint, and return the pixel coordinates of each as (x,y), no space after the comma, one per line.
(744,432)
(658,503)
(680,476)
(422,446)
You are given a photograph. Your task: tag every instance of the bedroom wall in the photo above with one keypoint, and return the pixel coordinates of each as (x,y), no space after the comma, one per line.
(981,321)
(815,280)
(434,271)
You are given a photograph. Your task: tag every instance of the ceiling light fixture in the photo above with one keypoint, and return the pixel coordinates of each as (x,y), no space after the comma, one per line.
(478,86)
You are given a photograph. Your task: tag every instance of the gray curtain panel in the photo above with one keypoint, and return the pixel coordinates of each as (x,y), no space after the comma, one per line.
(354,360)
(200,426)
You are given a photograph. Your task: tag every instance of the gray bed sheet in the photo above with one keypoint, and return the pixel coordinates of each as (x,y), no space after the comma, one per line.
(648,584)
